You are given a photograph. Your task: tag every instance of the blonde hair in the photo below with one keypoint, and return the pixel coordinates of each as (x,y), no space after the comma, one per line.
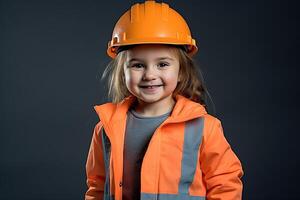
(191,84)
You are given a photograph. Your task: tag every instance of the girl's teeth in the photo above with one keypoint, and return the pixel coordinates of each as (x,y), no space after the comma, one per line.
(151,86)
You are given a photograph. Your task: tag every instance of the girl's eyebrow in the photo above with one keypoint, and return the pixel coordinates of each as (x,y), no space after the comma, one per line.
(140,60)
(165,58)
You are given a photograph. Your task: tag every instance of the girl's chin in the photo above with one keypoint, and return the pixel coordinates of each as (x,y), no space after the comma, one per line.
(152,98)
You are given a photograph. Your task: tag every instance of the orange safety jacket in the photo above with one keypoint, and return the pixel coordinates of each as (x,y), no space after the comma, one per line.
(187,157)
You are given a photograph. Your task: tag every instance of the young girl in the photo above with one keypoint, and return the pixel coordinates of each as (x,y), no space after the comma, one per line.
(156,139)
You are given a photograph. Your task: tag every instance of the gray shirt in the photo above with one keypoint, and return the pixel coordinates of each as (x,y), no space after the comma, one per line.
(139,131)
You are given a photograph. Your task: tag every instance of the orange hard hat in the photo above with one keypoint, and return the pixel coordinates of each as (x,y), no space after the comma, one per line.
(151,23)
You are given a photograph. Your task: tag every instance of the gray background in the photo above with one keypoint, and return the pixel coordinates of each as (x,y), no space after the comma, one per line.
(52,57)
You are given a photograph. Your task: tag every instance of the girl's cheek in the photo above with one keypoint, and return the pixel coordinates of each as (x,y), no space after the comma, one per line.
(171,77)
(135,76)
(130,78)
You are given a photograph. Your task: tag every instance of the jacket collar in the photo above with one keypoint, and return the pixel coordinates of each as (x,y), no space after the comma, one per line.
(184,109)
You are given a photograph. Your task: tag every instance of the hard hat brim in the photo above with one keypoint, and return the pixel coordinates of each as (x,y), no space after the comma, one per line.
(112,51)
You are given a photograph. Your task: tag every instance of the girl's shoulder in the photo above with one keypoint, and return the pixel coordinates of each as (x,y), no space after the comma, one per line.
(210,119)
(211,124)
(97,128)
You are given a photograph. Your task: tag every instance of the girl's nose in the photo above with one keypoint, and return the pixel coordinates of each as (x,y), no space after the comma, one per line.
(149,73)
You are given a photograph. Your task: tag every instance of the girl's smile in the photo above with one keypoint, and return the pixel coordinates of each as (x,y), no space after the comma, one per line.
(151,89)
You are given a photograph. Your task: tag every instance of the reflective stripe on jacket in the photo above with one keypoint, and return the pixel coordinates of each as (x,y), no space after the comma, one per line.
(188,156)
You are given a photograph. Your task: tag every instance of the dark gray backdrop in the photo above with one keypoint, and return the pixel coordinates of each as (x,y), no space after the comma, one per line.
(52,56)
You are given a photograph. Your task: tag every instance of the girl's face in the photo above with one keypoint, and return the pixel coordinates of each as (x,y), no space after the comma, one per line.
(151,72)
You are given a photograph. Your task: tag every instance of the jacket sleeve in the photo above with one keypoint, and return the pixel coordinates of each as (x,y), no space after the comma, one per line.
(222,170)
(95,170)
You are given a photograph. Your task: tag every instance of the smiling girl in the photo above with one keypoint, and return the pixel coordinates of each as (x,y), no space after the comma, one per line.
(155,140)
(151,75)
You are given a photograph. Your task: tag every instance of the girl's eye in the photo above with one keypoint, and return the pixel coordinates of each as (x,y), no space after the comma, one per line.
(163,64)
(137,65)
